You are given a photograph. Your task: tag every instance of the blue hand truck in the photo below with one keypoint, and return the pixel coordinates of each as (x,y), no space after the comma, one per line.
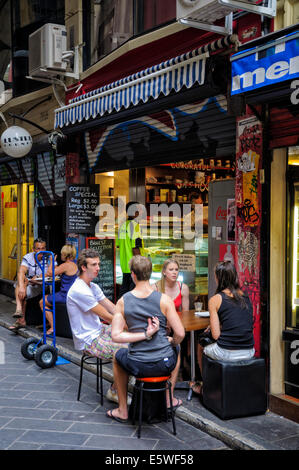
(45,355)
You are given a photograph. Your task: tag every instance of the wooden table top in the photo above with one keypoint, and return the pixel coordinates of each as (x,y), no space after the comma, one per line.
(192,322)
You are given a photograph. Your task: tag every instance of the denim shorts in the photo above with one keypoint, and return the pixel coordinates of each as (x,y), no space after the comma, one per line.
(220,354)
(159,368)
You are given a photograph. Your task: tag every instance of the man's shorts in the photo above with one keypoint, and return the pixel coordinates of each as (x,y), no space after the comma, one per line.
(161,368)
(32,290)
(103,346)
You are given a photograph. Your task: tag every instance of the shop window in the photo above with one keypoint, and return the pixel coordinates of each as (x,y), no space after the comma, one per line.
(5,48)
(150,14)
(17,219)
(292,320)
(107,25)
(113,185)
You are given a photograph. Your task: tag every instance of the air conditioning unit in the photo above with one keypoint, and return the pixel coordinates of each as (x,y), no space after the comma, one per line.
(46,46)
(5,96)
(209,11)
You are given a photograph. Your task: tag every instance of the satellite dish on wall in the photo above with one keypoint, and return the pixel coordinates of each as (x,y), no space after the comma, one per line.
(16,141)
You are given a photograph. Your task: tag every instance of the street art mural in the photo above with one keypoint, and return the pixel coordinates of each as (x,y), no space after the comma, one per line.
(248,217)
(50,179)
(17,171)
(193,130)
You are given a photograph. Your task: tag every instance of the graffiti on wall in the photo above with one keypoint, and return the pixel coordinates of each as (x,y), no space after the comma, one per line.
(248,220)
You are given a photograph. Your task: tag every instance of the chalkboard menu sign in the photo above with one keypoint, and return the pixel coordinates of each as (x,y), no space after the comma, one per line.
(81,203)
(106,277)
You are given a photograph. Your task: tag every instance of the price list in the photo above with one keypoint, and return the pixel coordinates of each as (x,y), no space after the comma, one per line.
(81,205)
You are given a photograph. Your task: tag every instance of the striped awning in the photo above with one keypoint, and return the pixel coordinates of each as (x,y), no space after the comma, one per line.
(170,75)
(173,74)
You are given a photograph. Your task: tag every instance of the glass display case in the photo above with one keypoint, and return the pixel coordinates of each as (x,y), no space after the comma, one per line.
(172,194)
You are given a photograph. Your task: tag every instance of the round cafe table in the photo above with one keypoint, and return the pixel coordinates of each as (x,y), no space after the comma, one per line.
(191,323)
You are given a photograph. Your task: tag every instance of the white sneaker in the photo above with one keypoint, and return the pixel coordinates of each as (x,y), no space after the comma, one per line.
(111,395)
(132,380)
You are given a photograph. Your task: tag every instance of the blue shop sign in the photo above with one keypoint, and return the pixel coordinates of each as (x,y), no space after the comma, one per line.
(266,65)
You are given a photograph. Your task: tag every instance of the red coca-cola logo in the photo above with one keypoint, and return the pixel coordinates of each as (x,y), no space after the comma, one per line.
(221,213)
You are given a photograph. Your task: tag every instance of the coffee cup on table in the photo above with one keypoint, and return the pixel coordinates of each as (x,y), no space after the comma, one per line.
(198,306)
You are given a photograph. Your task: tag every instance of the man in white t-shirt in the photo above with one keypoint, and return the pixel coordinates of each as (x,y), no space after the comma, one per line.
(25,287)
(87,306)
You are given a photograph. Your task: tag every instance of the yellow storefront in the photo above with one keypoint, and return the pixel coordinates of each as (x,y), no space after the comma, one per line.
(17,222)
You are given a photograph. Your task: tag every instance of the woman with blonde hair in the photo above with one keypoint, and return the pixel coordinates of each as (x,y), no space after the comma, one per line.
(68,273)
(169,285)
(178,292)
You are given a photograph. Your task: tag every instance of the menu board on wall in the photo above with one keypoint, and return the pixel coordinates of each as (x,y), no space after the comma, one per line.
(106,277)
(81,204)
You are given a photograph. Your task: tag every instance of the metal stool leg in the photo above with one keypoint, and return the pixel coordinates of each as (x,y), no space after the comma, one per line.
(101,382)
(97,364)
(80,380)
(140,409)
(135,395)
(171,407)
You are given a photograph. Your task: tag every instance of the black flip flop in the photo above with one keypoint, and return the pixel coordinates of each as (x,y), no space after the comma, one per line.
(116,418)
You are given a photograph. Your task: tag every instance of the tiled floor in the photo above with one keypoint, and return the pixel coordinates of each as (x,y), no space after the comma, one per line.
(39,410)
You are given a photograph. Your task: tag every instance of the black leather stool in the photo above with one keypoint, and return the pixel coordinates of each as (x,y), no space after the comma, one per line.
(62,323)
(234,389)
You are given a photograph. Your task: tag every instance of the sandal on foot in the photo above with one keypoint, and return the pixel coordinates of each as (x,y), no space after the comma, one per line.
(16,326)
(179,402)
(18,314)
(197,388)
(109,414)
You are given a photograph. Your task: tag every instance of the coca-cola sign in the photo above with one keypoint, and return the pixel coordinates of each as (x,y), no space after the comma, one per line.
(221,213)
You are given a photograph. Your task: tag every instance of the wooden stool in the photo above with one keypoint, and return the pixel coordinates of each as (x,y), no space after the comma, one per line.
(139,388)
(89,359)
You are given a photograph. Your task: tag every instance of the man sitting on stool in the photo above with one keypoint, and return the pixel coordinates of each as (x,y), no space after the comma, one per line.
(87,308)
(151,353)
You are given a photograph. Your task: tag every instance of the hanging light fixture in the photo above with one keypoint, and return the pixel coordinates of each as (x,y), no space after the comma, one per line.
(16,141)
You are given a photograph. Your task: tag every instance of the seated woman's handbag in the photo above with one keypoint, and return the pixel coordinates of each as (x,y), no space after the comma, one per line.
(205,338)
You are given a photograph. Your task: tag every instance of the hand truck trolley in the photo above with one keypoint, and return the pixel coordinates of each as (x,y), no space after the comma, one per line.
(45,355)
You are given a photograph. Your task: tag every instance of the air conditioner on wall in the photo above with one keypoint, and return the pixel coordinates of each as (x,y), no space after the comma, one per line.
(201,12)
(46,48)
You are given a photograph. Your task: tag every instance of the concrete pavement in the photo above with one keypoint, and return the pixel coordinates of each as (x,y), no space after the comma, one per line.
(35,402)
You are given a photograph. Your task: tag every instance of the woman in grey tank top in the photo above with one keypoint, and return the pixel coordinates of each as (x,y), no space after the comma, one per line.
(141,322)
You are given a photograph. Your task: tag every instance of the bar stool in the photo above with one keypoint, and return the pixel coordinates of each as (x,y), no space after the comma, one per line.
(89,359)
(139,388)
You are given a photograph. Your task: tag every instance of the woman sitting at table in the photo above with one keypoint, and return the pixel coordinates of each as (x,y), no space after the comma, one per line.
(178,292)
(169,285)
(231,320)
(68,273)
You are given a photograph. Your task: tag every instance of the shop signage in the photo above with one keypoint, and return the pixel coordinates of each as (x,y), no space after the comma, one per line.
(16,141)
(221,213)
(81,204)
(267,65)
(295,94)
(106,277)
(186,262)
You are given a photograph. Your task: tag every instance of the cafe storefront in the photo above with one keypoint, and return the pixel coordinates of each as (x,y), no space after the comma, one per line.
(264,76)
